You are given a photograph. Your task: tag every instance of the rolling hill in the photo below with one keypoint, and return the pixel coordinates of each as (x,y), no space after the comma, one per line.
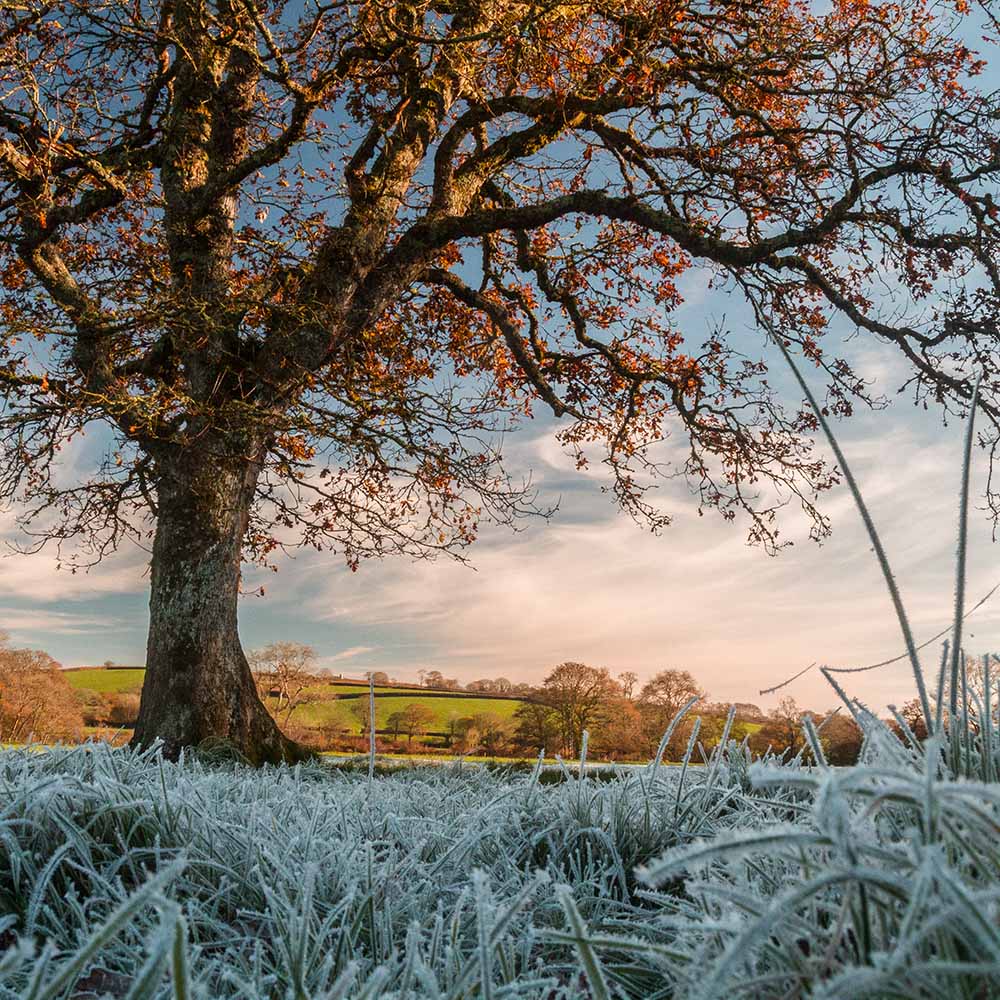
(333,701)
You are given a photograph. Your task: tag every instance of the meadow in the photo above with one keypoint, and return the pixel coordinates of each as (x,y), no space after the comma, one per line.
(332,703)
(444,708)
(126,876)
(105,681)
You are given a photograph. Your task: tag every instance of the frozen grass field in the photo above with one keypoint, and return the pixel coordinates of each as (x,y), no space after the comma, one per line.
(124,876)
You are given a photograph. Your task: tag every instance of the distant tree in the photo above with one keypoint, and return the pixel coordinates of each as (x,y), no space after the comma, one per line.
(95,707)
(436,680)
(713,724)
(618,734)
(913,716)
(579,696)
(745,711)
(361,708)
(109,663)
(841,738)
(669,691)
(283,671)
(454,727)
(36,701)
(971,688)
(502,686)
(628,680)
(415,718)
(331,731)
(537,725)
(660,699)
(483,685)
(395,724)
(123,709)
(782,730)
(380,677)
(493,731)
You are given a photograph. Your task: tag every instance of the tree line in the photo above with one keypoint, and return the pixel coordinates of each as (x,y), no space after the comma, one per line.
(624,719)
(627,722)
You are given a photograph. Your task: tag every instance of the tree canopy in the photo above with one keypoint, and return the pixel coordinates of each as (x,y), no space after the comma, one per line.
(246,220)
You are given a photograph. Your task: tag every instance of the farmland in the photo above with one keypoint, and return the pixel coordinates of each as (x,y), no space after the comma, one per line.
(331,704)
(444,707)
(105,681)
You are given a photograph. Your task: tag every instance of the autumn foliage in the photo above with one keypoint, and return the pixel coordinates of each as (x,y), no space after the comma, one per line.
(36,702)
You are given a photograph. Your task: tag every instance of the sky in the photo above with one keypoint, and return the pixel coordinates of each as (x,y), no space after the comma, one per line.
(592,586)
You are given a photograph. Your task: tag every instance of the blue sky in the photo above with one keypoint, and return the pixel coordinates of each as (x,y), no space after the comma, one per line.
(590,585)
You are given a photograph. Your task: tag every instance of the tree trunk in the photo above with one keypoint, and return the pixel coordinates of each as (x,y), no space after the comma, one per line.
(198,688)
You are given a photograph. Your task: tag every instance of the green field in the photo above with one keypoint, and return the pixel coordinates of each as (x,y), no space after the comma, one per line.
(388,699)
(339,712)
(106,681)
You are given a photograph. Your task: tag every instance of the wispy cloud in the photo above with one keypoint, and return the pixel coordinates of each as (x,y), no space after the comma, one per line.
(350,653)
(42,576)
(26,622)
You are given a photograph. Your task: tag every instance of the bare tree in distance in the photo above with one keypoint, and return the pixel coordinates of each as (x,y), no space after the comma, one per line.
(628,680)
(284,670)
(667,692)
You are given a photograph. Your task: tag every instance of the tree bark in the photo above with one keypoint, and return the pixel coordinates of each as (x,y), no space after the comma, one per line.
(198,689)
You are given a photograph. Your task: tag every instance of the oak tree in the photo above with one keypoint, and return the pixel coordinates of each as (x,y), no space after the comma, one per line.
(413,719)
(668,691)
(296,268)
(659,701)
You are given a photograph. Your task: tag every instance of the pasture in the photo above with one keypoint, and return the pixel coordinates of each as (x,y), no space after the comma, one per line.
(331,704)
